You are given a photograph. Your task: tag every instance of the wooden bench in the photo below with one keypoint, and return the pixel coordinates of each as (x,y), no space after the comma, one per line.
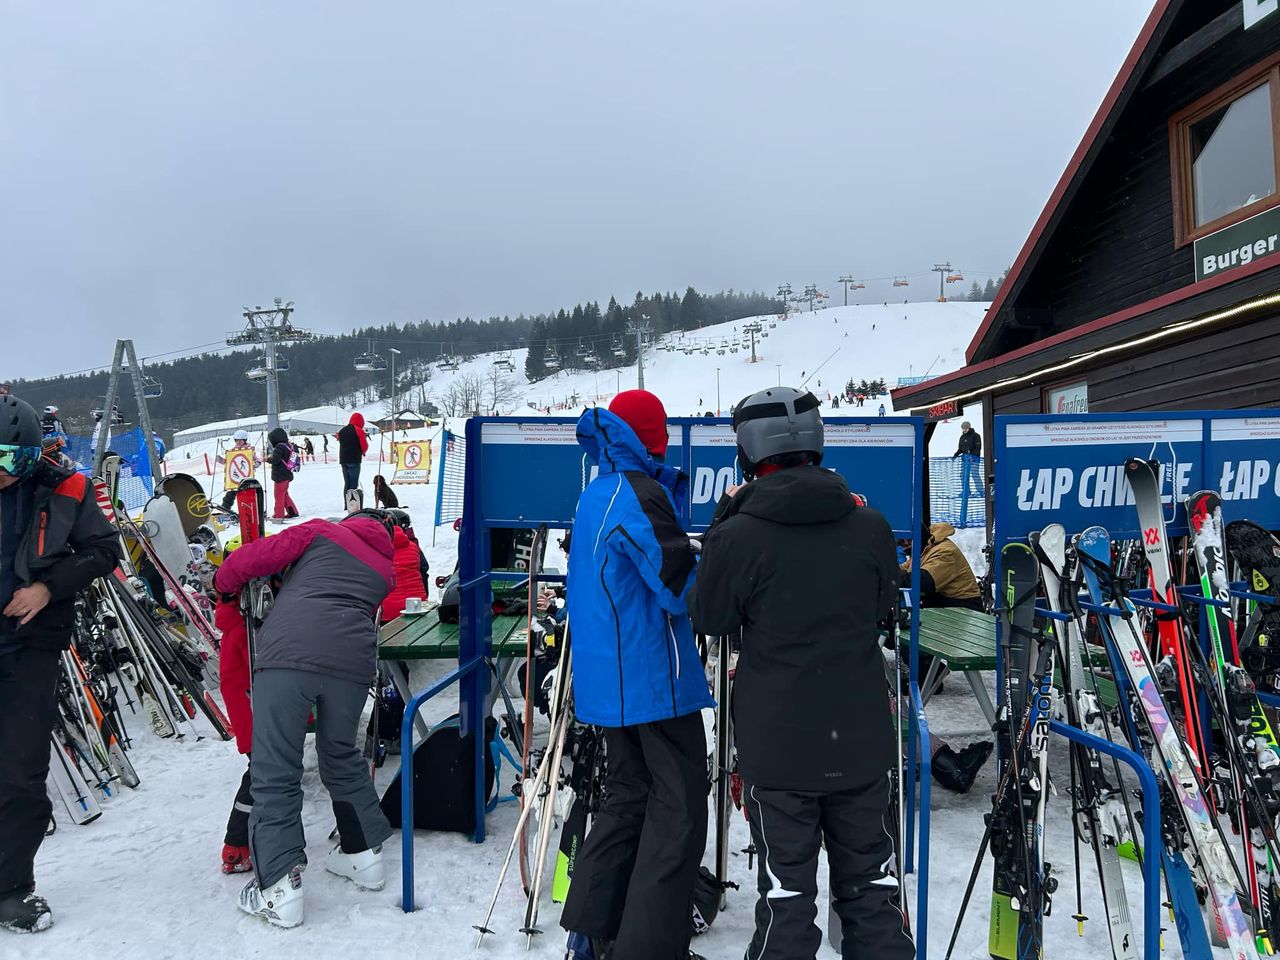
(965,640)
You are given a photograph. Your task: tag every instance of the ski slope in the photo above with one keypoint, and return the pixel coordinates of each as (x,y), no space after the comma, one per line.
(143,880)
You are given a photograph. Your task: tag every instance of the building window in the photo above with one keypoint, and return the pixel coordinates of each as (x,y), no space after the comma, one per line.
(1226,155)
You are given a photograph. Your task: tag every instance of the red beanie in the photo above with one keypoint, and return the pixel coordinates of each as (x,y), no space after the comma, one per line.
(643,413)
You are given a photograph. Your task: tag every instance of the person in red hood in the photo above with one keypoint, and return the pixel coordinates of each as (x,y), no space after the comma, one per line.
(352,446)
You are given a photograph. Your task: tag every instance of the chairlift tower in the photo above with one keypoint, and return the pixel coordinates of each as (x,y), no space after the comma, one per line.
(784,294)
(943,270)
(811,294)
(269,327)
(639,331)
(847,280)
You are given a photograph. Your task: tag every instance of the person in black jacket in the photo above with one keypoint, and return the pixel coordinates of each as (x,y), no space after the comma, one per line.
(352,446)
(54,541)
(281,456)
(970,441)
(806,574)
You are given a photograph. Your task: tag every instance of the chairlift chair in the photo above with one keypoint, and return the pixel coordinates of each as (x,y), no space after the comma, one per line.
(100,410)
(901,282)
(282,364)
(258,372)
(152,389)
(369,361)
(857,285)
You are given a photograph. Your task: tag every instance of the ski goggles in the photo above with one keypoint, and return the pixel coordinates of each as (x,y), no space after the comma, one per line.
(17,460)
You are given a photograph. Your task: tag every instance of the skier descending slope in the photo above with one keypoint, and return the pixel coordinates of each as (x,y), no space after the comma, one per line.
(638,675)
(39,578)
(805,573)
(318,646)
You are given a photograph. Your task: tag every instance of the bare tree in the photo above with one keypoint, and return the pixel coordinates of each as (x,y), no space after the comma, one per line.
(502,389)
(464,396)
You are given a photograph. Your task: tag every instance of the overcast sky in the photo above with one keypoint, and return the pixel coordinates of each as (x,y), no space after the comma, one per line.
(163,164)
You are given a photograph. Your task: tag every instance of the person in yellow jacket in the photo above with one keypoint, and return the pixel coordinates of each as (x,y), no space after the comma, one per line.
(946,579)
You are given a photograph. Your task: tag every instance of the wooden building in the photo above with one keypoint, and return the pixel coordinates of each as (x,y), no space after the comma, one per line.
(407,420)
(1151,280)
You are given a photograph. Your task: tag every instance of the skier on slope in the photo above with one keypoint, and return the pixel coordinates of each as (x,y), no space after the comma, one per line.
(318,646)
(806,574)
(39,578)
(352,446)
(630,569)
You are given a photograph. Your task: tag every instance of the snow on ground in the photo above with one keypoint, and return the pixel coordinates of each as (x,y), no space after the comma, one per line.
(143,881)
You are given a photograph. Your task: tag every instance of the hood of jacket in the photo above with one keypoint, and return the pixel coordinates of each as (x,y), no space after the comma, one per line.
(941,531)
(611,444)
(795,496)
(372,534)
(277,437)
(357,420)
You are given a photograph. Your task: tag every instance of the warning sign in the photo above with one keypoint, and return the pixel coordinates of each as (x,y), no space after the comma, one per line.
(239,468)
(413,461)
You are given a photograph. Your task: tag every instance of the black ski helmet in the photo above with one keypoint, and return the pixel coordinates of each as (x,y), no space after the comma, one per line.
(381,516)
(775,421)
(19,423)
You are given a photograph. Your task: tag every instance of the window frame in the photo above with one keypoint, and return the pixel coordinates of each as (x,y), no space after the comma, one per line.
(1185,230)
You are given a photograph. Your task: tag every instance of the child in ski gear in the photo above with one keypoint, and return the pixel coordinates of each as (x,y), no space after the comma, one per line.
(282,458)
(352,446)
(383,495)
(318,646)
(54,541)
(882,409)
(806,574)
(308,448)
(240,442)
(637,674)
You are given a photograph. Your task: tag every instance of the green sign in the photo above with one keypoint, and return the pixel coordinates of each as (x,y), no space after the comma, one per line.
(1238,245)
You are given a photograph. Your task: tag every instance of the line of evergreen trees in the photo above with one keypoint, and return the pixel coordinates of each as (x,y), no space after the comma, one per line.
(212,386)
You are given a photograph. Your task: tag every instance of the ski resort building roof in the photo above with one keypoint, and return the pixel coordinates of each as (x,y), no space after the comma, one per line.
(310,420)
(1151,280)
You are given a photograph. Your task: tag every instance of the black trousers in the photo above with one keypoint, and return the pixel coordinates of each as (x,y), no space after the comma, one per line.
(237,834)
(28,707)
(633,880)
(789,828)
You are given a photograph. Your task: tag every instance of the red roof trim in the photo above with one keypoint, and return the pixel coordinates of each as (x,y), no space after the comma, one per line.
(1268,262)
(1073,167)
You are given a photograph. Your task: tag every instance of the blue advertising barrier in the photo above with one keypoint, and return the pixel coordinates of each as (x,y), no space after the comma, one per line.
(522,473)
(1070,470)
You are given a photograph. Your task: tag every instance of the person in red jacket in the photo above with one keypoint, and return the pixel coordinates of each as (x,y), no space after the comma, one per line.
(233,680)
(352,446)
(408,571)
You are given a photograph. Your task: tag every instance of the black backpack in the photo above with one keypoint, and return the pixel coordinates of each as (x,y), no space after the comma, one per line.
(444,776)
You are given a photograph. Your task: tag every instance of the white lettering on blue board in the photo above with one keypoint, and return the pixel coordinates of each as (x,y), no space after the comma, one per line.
(1247,479)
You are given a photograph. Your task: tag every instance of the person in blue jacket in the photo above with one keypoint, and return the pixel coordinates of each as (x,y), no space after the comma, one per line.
(637,674)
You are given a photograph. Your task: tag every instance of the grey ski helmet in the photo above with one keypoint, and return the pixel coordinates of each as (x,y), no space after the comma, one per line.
(19,423)
(775,421)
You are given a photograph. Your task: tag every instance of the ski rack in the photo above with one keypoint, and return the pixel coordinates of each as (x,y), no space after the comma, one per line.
(522,473)
(1070,470)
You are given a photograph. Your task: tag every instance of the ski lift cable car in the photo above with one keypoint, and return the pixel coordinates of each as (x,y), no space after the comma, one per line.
(955,277)
(369,361)
(901,282)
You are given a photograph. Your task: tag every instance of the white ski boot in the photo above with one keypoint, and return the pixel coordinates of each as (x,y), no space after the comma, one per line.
(280,904)
(364,869)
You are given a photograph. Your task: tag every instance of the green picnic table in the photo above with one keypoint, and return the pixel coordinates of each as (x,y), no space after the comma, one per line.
(965,641)
(423,637)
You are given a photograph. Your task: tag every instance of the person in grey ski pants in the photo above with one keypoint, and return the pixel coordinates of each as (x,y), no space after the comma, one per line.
(282,701)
